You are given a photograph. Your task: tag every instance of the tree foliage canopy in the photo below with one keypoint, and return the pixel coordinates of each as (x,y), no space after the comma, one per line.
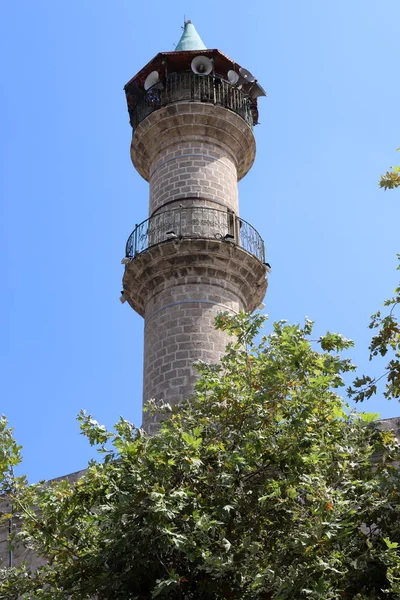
(263,486)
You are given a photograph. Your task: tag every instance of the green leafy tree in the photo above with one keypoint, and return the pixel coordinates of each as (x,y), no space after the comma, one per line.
(386,341)
(263,486)
(9,456)
(391,179)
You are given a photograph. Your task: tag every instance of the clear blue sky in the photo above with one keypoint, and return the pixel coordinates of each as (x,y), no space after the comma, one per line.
(70,196)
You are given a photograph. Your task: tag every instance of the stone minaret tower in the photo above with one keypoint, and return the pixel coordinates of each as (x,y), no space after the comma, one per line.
(192,112)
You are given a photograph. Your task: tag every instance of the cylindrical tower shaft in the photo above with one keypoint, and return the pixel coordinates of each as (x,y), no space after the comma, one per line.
(194,169)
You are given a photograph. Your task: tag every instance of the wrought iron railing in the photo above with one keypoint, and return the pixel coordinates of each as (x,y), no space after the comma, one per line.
(193,88)
(195,222)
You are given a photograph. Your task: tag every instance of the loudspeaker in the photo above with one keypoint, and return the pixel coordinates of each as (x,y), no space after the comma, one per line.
(233,77)
(151,80)
(201,65)
(249,77)
(256,90)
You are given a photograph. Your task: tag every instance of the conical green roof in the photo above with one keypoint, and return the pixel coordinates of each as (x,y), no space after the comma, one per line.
(190,39)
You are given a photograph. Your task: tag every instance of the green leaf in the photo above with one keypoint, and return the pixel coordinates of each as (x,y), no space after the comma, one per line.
(389,544)
(369,417)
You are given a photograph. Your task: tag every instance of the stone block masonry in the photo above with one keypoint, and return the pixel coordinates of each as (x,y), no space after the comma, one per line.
(193,170)
(191,122)
(179,330)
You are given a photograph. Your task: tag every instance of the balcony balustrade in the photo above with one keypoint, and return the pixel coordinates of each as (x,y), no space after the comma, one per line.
(187,86)
(195,222)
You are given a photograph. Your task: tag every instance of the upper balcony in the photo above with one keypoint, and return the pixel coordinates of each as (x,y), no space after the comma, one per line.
(189,87)
(195,222)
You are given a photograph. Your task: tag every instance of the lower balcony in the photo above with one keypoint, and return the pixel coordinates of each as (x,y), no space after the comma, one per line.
(195,222)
